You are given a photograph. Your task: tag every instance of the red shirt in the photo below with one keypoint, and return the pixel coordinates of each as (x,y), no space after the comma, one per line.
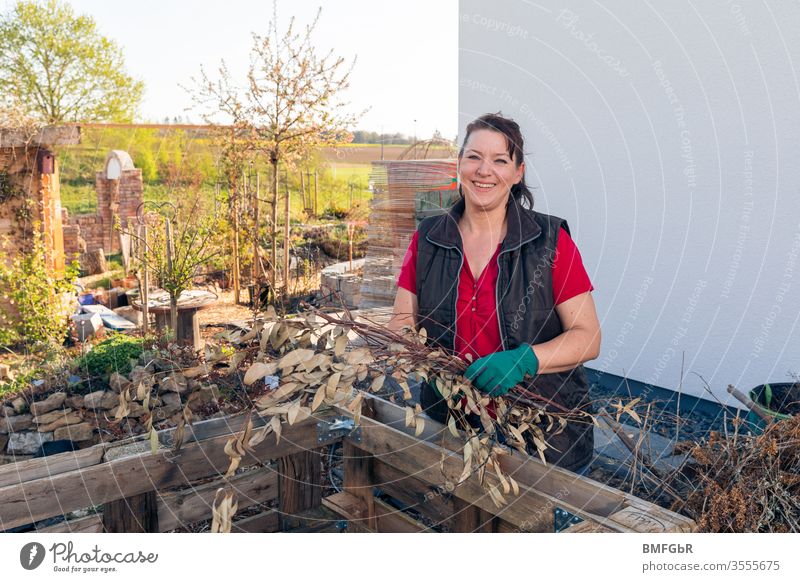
(477,329)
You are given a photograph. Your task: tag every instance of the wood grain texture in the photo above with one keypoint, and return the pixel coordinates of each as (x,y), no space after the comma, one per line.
(32,469)
(43,498)
(186,506)
(134,514)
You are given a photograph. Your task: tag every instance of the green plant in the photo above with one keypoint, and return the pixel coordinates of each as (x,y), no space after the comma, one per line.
(111,355)
(31,310)
(174,253)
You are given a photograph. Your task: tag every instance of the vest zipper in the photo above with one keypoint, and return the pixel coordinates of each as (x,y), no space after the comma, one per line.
(497,290)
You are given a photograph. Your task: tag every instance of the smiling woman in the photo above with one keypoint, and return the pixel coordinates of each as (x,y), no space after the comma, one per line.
(504,287)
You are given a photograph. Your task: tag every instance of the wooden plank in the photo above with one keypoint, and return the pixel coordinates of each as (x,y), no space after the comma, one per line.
(299,483)
(359,481)
(264,522)
(32,469)
(435,504)
(558,483)
(198,431)
(88,524)
(387,518)
(470,518)
(43,498)
(134,514)
(392,520)
(438,465)
(350,507)
(588,527)
(648,520)
(177,508)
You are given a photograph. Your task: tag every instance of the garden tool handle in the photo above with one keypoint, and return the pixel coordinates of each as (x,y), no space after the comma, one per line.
(744,399)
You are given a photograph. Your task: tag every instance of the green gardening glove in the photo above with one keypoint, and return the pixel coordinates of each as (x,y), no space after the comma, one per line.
(498,373)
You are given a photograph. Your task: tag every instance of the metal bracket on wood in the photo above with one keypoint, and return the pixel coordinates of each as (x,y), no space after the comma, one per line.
(339,427)
(562,519)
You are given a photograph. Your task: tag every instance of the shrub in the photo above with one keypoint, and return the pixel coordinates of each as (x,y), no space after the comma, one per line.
(112,355)
(34,313)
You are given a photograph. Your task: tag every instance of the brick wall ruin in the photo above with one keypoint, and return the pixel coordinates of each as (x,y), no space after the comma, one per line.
(119,193)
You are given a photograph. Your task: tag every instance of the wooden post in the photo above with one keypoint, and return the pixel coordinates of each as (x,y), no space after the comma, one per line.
(274,227)
(234,207)
(173,302)
(359,481)
(137,514)
(359,476)
(286,232)
(351,229)
(256,259)
(145,287)
(303,189)
(316,209)
(299,484)
(471,518)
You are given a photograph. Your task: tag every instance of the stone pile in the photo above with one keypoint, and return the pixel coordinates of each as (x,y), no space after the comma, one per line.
(88,419)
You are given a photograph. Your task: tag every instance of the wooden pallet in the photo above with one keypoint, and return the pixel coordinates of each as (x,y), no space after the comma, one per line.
(414,471)
(132,490)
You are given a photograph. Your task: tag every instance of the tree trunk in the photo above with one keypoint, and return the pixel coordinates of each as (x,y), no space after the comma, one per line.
(173,314)
(235,245)
(274,228)
(256,259)
(286,230)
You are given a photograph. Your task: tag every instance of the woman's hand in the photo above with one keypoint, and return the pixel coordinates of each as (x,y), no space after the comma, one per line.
(498,373)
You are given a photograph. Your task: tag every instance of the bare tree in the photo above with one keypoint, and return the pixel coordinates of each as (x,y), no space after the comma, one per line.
(290,104)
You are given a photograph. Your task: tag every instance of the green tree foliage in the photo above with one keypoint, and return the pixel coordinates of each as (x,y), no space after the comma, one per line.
(57,65)
(145,161)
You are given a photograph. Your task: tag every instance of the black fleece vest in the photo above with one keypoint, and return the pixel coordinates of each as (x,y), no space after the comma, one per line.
(525,307)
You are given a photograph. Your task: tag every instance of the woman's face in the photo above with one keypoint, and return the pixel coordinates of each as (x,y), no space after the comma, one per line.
(487,171)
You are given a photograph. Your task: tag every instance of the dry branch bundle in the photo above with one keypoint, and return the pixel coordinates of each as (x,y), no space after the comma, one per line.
(747,483)
(319,366)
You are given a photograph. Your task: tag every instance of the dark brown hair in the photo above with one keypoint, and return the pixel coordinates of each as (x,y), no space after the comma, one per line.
(510,130)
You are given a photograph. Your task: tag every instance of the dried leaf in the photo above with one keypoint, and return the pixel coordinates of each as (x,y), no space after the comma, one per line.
(377,383)
(359,356)
(409,416)
(420,426)
(294,412)
(319,398)
(451,425)
(278,335)
(295,357)
(258,371)
(178,436)
(153,441)
(340,345)
(333,383)
(276,425)
(468,451)
(259,436)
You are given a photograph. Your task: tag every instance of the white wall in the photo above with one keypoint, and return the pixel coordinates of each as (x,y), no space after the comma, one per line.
(667,135)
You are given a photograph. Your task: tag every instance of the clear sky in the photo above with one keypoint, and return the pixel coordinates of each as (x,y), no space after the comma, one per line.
(407,52)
